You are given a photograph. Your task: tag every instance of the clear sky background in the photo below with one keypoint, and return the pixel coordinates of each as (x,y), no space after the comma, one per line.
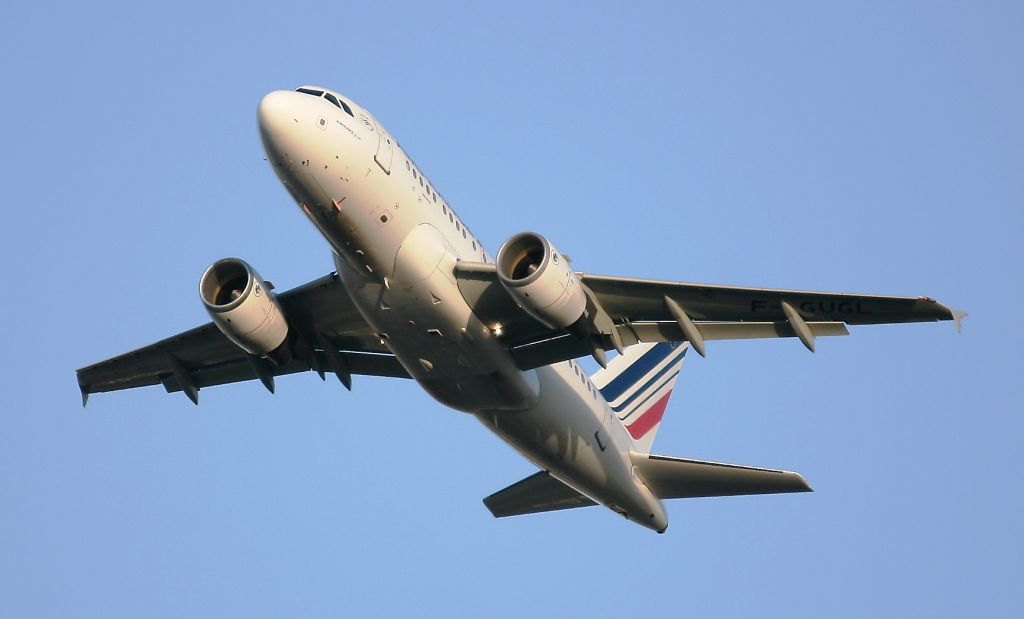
(862,147)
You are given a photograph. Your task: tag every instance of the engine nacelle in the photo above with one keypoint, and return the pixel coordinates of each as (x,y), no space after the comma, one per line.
(540,280)
(244,309)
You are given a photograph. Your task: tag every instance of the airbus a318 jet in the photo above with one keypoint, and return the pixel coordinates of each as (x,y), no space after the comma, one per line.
(414,294)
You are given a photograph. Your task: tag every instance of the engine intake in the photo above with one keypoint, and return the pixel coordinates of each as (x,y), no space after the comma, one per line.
(541,280)
(244,309)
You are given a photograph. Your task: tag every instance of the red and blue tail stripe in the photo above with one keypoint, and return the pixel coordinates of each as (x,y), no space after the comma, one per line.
(637,386)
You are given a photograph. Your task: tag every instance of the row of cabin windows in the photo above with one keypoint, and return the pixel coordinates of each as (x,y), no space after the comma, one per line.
(430,192)
(338,103)
(583,378)
(459,227)
(426,186)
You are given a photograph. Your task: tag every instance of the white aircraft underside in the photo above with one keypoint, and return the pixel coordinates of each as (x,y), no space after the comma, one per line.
(415,295)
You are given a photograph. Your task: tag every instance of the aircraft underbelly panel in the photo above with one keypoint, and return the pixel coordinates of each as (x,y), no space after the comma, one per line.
(567,435)
(425,322)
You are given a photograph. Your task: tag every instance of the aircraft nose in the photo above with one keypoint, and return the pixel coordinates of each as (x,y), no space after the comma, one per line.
(276,113)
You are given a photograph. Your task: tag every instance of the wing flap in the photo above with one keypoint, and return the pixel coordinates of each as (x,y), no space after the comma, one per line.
(671,332)
(562,347)
(320,312)
(203,346)
(640,310)
(365,364)
(537,493)
(643,300)
(678,478)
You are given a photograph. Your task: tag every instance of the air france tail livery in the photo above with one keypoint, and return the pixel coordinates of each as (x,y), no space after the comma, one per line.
(415,295)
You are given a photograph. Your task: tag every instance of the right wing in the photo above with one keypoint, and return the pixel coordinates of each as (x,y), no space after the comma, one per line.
(630,310)
(330,336)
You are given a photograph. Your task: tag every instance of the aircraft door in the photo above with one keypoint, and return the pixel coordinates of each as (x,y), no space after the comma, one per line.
(385,146)
(385,150)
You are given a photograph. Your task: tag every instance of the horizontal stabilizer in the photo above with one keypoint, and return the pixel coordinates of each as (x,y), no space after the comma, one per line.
(539,492)
(679,478)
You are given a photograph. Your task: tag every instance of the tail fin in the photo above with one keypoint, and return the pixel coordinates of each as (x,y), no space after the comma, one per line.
(637,385)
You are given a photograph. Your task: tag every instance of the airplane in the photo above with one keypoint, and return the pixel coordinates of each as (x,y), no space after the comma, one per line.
(414,294)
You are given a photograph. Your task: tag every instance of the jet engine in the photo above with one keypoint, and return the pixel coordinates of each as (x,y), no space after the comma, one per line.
(244,309)
(541,281)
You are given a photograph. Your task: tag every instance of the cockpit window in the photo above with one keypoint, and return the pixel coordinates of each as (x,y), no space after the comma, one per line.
(347,109)
(326,95)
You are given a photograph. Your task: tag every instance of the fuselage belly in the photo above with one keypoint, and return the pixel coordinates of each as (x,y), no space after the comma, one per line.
(396,242)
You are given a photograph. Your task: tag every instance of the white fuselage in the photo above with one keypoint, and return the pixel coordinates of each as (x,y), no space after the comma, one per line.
(396,241)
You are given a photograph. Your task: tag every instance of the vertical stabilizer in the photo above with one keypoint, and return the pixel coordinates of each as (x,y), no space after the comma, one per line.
(637,385)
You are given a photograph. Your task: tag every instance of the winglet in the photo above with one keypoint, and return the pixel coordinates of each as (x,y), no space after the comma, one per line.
(85,394)
(957,317)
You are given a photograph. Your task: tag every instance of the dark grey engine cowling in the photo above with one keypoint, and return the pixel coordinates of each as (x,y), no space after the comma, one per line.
(244,309)
(541,280)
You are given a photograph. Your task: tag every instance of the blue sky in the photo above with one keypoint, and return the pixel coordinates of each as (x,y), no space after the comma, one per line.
(874,147)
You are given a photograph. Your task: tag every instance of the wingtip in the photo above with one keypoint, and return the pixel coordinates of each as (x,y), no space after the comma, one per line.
(958,317)
(945,312)
(798,482)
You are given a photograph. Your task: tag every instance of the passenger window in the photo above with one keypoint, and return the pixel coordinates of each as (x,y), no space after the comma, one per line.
(457,226)
(435,197)
(414,173)
(444,208)
(332,99)
(474,245)
(463,233)
(407,166)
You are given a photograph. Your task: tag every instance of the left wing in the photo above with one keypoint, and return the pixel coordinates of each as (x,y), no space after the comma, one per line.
(627,311)
(330,336)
